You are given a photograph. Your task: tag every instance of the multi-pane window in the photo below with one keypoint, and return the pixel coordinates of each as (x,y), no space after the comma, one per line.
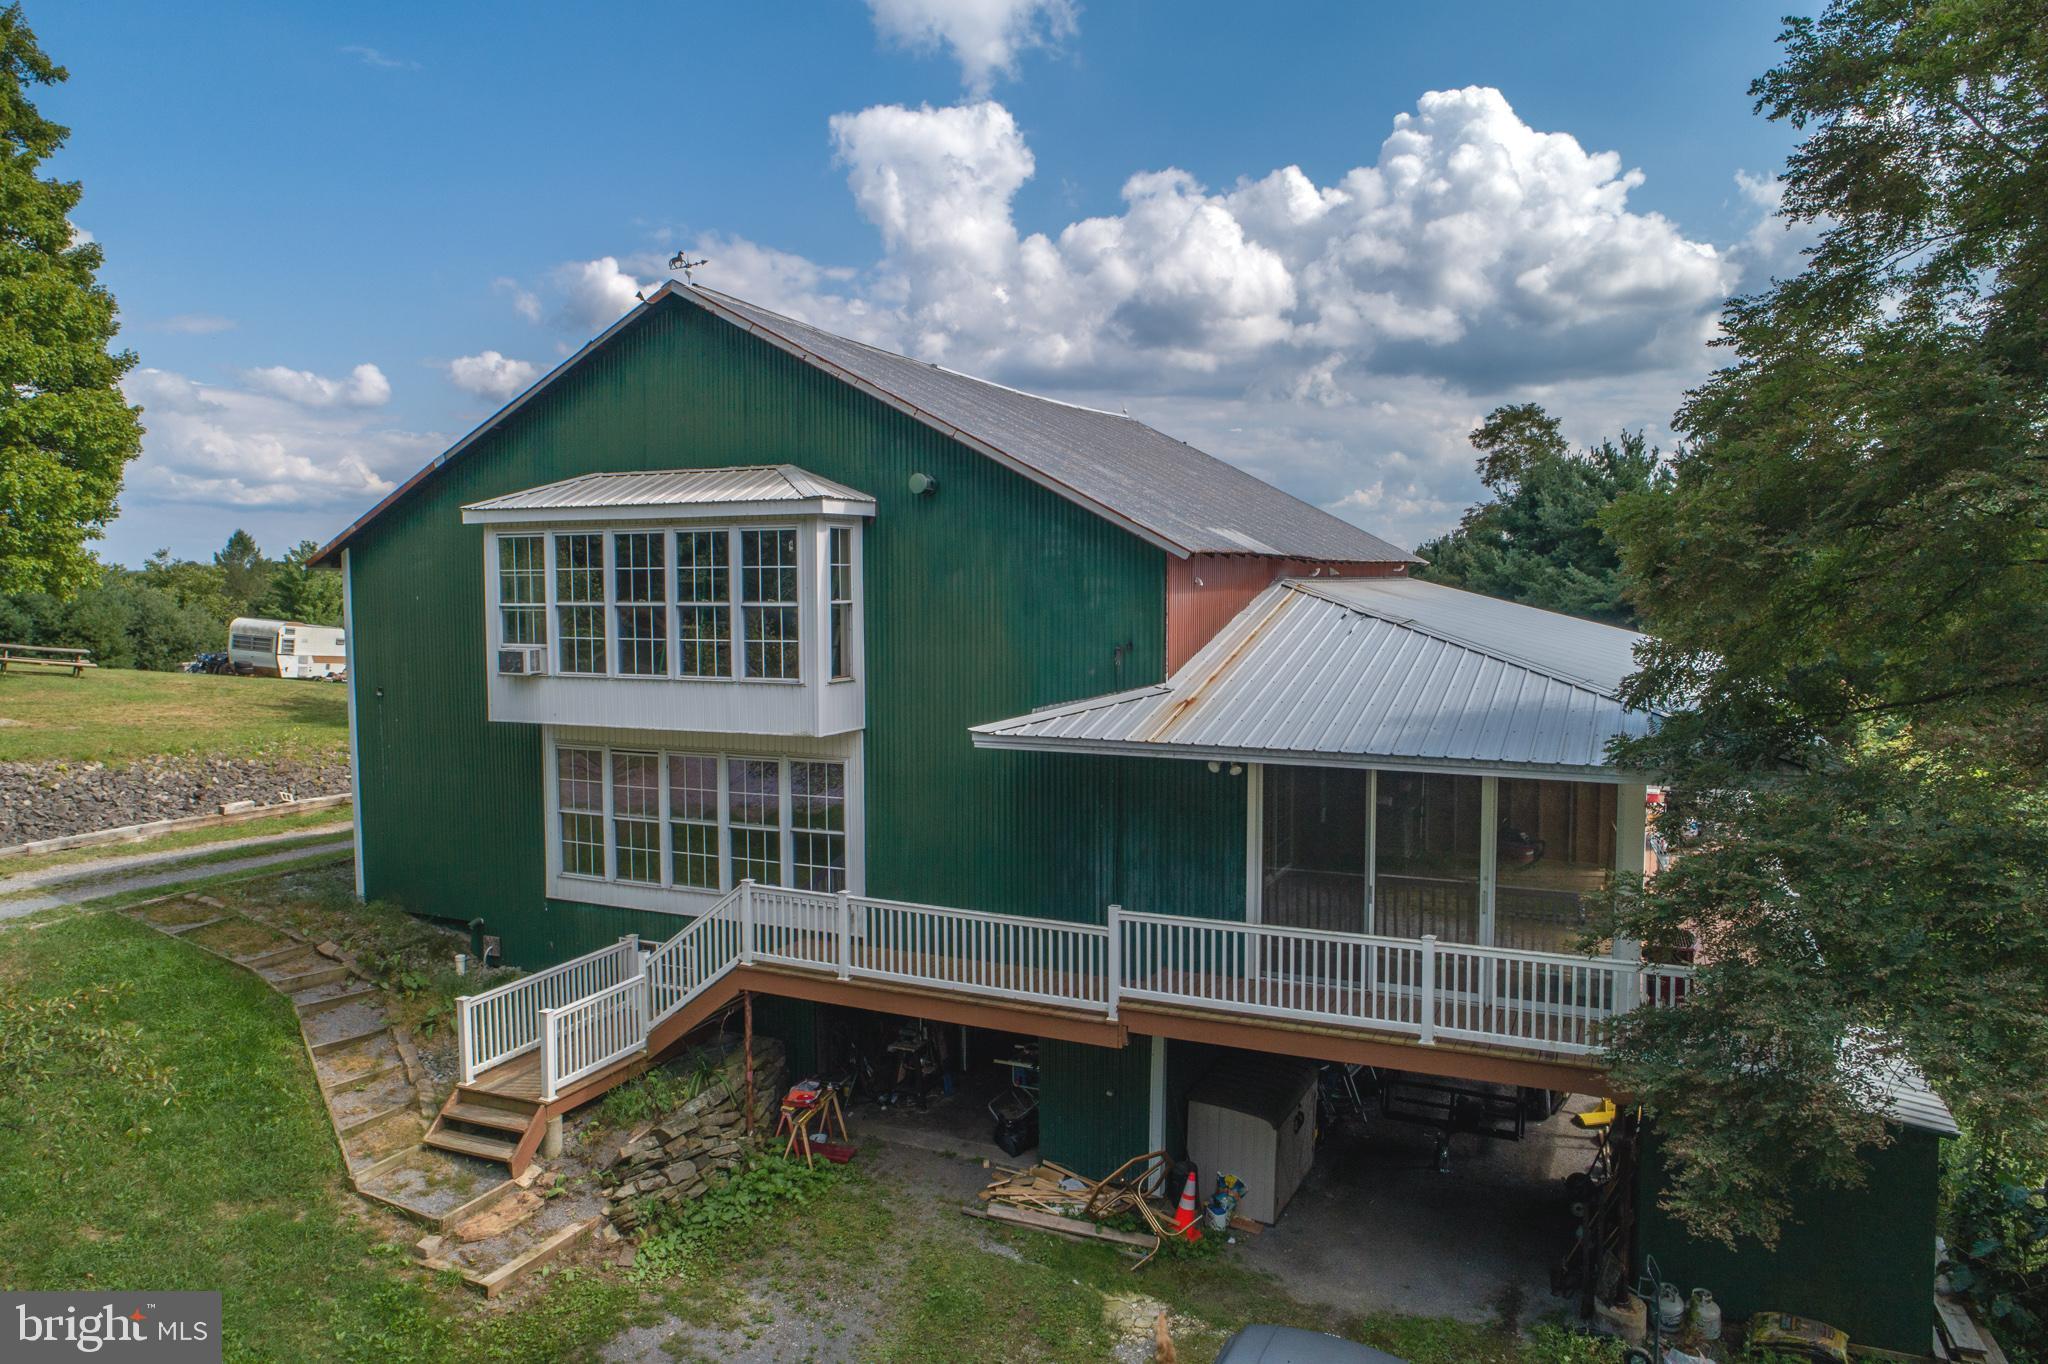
(579,603)
(636,817)
(704,602)
(754,812)
(768,602)
(522,589)
(841,605)
(702,821)
(817,821)
(693,820)
(640,591)
(580,797)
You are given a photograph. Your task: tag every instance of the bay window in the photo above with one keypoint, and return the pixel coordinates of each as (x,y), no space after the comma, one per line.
(839,591)
(700,821)
(704,602)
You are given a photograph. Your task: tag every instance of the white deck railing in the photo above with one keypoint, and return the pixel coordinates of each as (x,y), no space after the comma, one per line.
(583,1038)
(590,1013)
(499,1024)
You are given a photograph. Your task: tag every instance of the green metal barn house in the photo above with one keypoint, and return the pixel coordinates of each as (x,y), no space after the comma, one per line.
(735,656)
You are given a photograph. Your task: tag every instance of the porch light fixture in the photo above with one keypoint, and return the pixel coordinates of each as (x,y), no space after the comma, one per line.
(1215,766)
(923,485)
(1237,769)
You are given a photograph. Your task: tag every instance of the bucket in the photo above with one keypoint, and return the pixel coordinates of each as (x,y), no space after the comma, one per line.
(1625,1320)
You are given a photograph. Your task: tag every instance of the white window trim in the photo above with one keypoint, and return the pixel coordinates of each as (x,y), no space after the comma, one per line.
(813,604)
(668,898)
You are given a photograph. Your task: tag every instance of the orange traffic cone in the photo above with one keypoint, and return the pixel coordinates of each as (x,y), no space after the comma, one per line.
(1184,1218)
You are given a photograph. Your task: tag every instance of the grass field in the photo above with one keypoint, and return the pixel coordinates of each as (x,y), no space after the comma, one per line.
(117,716)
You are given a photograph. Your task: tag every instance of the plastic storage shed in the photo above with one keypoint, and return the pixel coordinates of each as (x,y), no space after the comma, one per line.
(1255,1117)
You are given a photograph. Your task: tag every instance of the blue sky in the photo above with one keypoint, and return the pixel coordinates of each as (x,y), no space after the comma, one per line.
(340,236)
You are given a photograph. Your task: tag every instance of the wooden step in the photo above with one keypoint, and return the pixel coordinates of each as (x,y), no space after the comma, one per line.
(470,1144)
(488,1115)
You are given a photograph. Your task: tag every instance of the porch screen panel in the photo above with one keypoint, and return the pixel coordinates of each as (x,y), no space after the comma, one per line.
(1314,854)
(1556,846)
(1427,838)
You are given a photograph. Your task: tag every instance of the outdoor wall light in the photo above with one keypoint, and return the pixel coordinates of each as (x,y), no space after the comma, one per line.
(1215,766)
(923,485)
(1237,769)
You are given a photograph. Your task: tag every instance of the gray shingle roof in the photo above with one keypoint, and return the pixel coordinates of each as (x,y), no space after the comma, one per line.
(1192,502)
(1371,669)
(759,483)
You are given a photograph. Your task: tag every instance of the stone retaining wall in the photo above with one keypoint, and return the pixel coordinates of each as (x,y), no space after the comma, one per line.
(52,799)
(692,1150)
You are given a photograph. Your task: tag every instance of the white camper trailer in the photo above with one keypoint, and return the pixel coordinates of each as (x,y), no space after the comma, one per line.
(286,648)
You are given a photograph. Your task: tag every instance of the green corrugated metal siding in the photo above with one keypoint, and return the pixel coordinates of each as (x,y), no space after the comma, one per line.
(1859,1259)
(1092,1104)
(985,600)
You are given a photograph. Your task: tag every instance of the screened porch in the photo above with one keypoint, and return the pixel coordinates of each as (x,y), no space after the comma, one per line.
(1484,860)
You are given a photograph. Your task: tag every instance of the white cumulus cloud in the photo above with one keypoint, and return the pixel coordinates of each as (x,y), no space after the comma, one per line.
(984,36)
(365,386)
(253,447)
(595,293)
(491,374)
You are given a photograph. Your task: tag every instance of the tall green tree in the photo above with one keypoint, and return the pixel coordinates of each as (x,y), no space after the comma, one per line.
(1539,540)
(300,592)
(245,572)
(66,433)
(1849,584)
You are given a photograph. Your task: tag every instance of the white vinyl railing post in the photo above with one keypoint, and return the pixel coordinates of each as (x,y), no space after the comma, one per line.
(465,1036)
(637,969)
(548,1061)
(747,922)
(1114,959)
(1428,989)
(845,936)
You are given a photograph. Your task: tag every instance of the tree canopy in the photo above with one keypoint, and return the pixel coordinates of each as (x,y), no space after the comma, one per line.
(1848,580)
(66,433)
(1540,540)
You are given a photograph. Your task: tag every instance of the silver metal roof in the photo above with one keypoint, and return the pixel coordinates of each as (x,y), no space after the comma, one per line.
(1160,489)
(1185,500)
(1371,671)
(761,483)
(1903,1094)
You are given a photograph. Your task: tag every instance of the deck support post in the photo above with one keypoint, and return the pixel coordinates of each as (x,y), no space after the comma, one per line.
(747,922)
(1114,959)
(845,936)
(747,1042)
(1428,989)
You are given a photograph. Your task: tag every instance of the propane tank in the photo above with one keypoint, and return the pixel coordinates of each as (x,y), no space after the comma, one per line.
(1706,1314)
(1670,1307)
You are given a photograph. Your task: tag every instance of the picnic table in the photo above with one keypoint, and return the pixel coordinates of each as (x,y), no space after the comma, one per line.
(74,661)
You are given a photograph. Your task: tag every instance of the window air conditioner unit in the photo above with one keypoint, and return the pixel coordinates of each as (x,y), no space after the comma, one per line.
(522,660)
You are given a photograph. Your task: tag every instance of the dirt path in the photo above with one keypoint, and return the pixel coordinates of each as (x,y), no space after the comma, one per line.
(172,868)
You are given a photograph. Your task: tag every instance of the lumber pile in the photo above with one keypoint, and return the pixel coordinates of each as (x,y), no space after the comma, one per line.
(1050,1197)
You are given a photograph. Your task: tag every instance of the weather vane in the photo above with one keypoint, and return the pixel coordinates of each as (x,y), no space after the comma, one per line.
(681,261)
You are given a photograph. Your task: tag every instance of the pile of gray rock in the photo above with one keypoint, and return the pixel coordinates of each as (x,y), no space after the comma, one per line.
(52,799)
(688,1152)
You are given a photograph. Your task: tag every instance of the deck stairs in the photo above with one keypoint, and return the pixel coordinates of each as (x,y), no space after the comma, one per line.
(548,1042)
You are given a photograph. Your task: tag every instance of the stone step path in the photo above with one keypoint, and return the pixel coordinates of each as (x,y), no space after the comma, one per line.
(491,1229)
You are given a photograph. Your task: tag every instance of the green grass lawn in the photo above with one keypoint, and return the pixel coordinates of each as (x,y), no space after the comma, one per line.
(334,819)
(117,715)
(233,1184)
